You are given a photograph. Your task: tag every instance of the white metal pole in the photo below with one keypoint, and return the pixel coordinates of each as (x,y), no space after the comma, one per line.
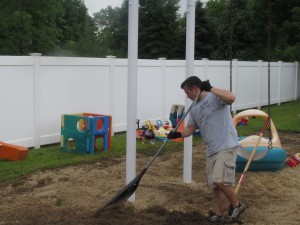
(189,71)
(132,92)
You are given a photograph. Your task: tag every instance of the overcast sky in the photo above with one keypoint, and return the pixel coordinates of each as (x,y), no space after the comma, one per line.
(95,5)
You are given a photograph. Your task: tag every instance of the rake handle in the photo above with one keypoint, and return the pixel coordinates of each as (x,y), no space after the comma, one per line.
(187,112)
(175,129)
(263,130)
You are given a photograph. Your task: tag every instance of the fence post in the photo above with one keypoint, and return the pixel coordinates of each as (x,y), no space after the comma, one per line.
(259,83)
(163,86)
(111,78)
(235,80)
(296,81)
(36,99)
(205,62)
(279,82)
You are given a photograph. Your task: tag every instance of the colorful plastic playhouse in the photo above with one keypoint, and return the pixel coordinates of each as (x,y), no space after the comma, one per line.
(12,152)
(80,132)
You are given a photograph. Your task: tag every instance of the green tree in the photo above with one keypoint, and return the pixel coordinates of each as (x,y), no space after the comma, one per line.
(50,27)
(248,21)
(205,34)
(158,29)
(292,28)
(243,24)
(281,20)
(286,23)
(180,47)
(112,30)
(218,15)
(78,31)
(63,27)
(27,27)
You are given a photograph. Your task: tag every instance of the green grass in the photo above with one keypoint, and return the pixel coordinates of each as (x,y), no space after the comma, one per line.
(285,117)
(52,156)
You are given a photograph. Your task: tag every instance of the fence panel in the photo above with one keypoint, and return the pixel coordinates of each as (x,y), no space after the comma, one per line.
(16,98)
(35,91)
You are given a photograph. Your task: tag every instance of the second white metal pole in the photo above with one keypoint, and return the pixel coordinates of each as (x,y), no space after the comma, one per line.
(189,71)
(133,23)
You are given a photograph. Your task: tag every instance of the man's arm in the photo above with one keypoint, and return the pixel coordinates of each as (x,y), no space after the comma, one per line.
(225,95)
(188,131)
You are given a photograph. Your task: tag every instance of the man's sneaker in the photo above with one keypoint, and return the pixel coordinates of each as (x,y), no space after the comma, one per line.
(213,217)
(235,212)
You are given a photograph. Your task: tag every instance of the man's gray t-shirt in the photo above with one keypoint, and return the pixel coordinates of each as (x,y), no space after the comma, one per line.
(212,116)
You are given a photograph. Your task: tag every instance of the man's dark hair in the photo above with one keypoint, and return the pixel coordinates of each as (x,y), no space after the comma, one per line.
(191,81)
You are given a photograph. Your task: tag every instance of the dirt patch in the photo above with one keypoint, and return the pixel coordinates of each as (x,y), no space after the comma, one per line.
(71,195)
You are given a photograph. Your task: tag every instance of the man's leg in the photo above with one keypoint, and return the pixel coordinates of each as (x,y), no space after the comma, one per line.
(224,179)
(219,199)
(236,207)
(229,192)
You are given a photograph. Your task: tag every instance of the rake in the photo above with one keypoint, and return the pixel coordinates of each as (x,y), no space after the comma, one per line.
(130,188)
(252,156)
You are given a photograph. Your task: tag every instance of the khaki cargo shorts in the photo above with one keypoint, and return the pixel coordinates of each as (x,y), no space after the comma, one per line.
(220,167)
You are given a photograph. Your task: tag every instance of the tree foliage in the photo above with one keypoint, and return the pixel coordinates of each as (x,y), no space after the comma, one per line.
(78,30)
(205,34)
(63,27)
(46,26)
(159,28)
(112,30)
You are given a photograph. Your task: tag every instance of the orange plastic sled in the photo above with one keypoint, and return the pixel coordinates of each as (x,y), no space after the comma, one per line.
(12,152)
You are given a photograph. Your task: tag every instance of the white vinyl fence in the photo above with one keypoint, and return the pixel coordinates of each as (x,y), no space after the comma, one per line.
(36,90)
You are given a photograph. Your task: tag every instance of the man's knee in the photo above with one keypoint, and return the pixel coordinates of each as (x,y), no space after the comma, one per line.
(219,185)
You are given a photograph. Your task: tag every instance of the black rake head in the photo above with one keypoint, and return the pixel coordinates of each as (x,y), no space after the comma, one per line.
(123,194)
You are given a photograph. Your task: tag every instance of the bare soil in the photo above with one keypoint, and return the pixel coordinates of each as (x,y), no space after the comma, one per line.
(72,195)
